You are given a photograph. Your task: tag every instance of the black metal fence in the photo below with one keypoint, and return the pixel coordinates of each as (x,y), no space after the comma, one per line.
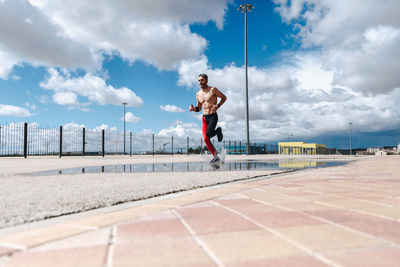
(25,139)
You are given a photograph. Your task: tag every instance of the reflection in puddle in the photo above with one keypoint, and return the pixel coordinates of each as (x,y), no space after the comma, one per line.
(301,164)
(196,167)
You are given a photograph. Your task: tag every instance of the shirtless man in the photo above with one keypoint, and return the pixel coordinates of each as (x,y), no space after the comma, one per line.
(207,99)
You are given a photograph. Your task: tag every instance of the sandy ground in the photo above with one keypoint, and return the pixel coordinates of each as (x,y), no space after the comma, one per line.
(25,198)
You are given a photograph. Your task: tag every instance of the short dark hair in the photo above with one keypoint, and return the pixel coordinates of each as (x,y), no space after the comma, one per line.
(204,76)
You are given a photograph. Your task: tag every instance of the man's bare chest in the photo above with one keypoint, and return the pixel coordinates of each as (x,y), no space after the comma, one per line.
(207,97)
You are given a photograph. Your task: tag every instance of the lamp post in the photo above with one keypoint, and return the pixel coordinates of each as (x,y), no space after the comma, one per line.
(1,144)
(244,9)
(350,123)
(124,104)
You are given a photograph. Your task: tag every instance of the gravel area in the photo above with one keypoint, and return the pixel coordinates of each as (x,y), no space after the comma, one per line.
(25,198)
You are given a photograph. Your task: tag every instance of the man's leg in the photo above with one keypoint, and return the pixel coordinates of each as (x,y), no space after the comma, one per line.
(212,121)
(206,138)
(211,131)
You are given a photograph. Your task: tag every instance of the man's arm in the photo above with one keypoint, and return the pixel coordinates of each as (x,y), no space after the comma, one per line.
(198,106)
(220,95)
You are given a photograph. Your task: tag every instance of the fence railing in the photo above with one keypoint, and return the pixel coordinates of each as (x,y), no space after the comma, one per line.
(32,140)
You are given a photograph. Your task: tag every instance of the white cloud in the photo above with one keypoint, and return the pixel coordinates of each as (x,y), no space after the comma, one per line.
(180,129)
(58,33)
(105,127)
(67,90)
(372,68)
(14,111)
(7,62)
(189,69)
(129,117)
(342,22)
(15,77)
(145,132)
(171,108)
(65,98)
(39,42)
(73,126)
(31,106)
(296,96)
(359,40)
(352,76)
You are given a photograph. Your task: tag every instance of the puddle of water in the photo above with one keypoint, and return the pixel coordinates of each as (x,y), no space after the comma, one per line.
(195,167)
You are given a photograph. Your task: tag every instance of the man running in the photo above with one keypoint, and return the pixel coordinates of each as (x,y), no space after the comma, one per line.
(207,99)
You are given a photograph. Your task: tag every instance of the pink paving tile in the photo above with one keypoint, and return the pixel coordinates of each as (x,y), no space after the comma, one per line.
(171,228)
(297,261)
(213,211)
(164,215)
(303,206)
(384,201)
(269,196)
(165,252)
(289,185)
(272,216)
(199,205)
(249,209)
(6,250)
(231,196)
(257,211)
(385,229)
(282,219)
(341,216)
(100,237)
(220,224)
(90,256)
(41,235)
(296,193)
(205,221)
(236,202)
(324,237)
(362,195)
(241,246)
(382,257)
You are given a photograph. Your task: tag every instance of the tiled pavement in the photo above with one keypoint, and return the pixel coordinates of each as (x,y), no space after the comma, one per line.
(340,216)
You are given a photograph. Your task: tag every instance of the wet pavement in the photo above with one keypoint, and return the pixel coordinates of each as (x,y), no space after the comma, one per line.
(244,165)
(346,215)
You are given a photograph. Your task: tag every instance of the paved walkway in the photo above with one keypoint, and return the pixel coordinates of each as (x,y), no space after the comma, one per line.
(340,216)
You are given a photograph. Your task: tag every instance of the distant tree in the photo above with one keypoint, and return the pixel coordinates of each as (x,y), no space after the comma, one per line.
(197,150)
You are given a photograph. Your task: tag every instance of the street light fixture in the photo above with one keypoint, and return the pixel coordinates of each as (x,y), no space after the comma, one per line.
(350,123)
(244,9)
(164,146)
(124,104)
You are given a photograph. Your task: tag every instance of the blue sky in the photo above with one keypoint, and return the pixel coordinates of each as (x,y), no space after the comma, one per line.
(314,66)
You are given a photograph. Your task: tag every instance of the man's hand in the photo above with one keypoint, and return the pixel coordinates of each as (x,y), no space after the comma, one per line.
(191,108)
(214,108)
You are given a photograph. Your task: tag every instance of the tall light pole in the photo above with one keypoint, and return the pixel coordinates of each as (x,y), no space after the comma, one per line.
(244,9)
(350,123)
(124,104)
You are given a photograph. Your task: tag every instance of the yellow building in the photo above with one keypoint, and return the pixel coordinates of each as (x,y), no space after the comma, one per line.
(301,148)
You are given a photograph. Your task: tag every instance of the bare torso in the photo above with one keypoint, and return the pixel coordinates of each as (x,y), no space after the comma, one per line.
(207,98)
